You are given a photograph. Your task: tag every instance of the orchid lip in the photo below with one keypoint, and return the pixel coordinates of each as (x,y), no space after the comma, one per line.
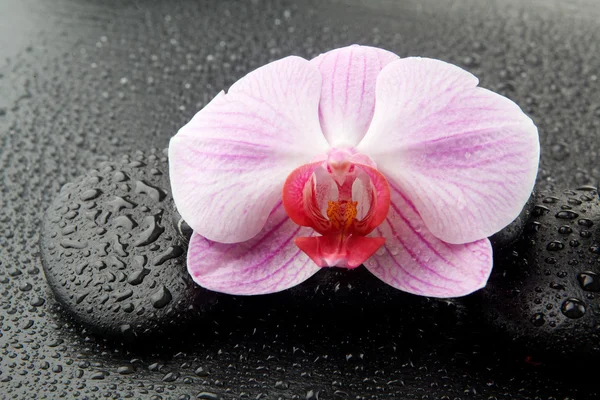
(341,200)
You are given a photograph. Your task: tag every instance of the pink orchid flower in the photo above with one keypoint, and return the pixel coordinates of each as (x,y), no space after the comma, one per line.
(354,157)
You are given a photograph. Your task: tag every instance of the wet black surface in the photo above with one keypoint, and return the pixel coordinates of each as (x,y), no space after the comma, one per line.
(543,292)
(86,81)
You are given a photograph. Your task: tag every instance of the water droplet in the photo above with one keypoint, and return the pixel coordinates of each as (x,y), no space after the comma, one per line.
(573,308)
(184,230)
(153,232)
(538,210)
(120,176)
(170,377)
(80,297)
(137,277)
(550,200)
(207,396)
(161,298)
(126,369)
(153,192)
(71,214)
(90,194)
(124,221)
(202,372)
(533,226)
(312,395)
(120,296)
(169,253)
(68,230)
(114,262)
(98,375)
(538,319)
(119,203)
(37,301)
(136,164)
(281,385)
(119,247)
(595,248)
(585,222)
(566,214)
(589,281)
(555,246)
(565,229)
(73,244)
(587,188)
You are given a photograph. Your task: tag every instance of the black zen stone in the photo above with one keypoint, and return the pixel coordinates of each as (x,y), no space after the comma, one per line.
(544,292)
(112,255)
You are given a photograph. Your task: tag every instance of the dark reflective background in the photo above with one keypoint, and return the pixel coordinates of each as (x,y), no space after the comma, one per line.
(85,81)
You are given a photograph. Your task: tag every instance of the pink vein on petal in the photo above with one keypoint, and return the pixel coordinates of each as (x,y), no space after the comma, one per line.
(419,235)
(394,278)
(413,255)
(348,80)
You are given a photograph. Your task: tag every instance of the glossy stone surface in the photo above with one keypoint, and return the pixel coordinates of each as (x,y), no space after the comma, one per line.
(112,256)
(83,82)
(543,293)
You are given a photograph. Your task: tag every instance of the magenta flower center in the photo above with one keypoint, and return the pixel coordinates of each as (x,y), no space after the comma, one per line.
(343,198)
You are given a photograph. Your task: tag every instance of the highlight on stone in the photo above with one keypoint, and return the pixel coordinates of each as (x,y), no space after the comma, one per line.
(355,157)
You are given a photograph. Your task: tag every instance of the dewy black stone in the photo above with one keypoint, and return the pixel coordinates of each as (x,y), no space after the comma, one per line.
(121,262)
(543,290)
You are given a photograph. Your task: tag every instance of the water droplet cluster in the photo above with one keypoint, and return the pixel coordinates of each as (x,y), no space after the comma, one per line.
(544,290)
(112,255)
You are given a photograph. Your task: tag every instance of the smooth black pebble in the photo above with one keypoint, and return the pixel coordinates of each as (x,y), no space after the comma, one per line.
(113,256)
(544,292)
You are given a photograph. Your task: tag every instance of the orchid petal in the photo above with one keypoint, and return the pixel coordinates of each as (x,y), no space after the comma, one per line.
(348,91)
(415,261)
(268,263)
(465,156)
(228,164)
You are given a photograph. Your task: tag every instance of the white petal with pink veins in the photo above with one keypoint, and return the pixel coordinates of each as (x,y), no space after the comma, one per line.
(268,263)
(415,261)
(465,156)
(348,91)
(229,163)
